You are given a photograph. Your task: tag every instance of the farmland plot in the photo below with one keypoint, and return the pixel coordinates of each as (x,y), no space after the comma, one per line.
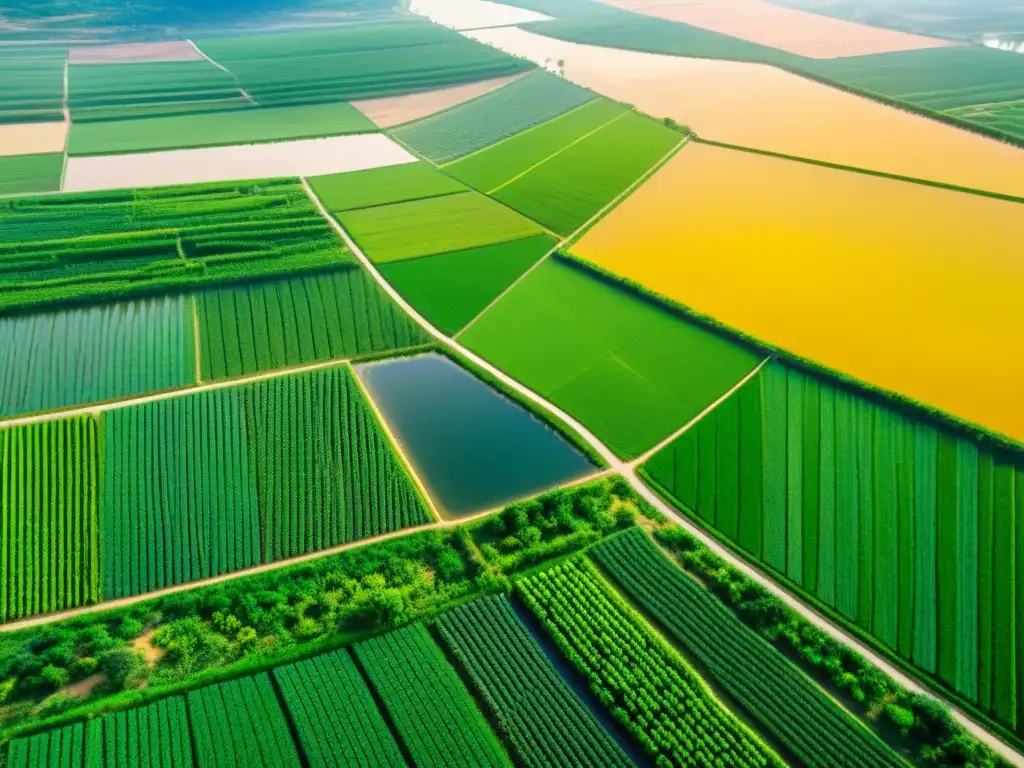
(628,368)
(24,174)
(33,85)
(470,127)
(365,61)
(433,713)
(335,716)
(57,359)
(119,244)
(547,723)
(382,186)
(436,225)
(49,527)
(32,138)
(397,110)
(274,324)
(899,527)
(653,691)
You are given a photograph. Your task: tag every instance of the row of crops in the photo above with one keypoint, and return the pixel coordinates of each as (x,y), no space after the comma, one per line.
(98,246)
(189,487)
(51,360)
(909,532)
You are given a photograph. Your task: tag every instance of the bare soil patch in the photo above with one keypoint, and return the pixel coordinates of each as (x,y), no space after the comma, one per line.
(83,687)
(396,110)
(130,53)
(32,138)
(144,644)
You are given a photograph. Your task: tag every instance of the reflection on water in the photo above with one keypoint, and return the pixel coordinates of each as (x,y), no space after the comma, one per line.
(473,448)
(1013,43)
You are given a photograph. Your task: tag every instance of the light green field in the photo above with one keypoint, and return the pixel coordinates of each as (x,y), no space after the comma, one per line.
(630,370)
(23,174)
(450,289)
(436,225)
(208,129)
(382,186)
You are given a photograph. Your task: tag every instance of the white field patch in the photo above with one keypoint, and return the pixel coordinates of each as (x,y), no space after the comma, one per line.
(396,110)
(32,138)
(309,157)
(131,53)
(473,14)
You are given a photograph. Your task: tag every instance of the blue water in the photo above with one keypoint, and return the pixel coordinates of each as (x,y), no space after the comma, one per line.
(473,448)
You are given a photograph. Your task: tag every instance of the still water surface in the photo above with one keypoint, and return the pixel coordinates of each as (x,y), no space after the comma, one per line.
(473,448)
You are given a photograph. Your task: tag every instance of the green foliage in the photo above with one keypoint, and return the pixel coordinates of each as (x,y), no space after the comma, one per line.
(543,719)
(92,246)
(618,362)
(498,115)
(382,186)
(637,677)
(436,225)
(24,174)
(33,86)
(789,706)
(49,526)
(275,324)
(432,712)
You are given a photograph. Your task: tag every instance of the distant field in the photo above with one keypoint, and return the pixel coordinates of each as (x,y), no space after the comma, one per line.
(904,529)
(630,370)
(503,113)
(744,252)
(26,174)
(90,247)
(56,359)
(397,110)
(382,186)
(436,225)
(274,324)
(209,129)
(118,91)
(32,88)
(450,289)
(366,61)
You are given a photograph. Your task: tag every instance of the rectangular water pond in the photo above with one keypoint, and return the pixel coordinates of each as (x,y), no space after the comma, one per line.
(473,448)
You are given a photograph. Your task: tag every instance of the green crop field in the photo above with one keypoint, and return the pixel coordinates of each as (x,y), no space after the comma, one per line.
(49,531)
(547,723)
(341,192)
(653,691)
(26,174)
(274,324)
(209,129)
(432,711)
(494,167)
(364,61)
(787,704)
(90,246)
(624,366)
(32,88)
(450,289)
(972,82)
(336,719)
(56,359)
(241,722)
(435,225)
(572,185)
(899,527)
(119,91)
(479,123)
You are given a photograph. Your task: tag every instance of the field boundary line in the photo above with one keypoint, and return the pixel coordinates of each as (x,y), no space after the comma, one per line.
(533,127)
(567,240)
(196,339)
(396,444)
(221,67)
(643,457)
(66,109)
(553,155)
(616,465)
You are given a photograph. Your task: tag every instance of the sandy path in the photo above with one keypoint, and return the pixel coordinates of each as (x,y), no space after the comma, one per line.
(396,110)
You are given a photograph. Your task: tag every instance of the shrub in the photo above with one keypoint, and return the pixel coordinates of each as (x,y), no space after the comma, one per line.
(54,678)
(509,544)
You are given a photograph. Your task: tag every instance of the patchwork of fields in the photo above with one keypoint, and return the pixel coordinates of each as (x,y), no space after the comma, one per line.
(913,534)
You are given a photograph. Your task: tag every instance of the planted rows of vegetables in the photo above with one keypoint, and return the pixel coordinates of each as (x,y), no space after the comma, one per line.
(544,720)
(789,705)
(644,683)
(910,532)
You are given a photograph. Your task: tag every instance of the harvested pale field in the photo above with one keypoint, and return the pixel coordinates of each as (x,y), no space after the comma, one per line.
(311,157)
(911,288)
(396,110)
(788,29)
(473,14)
(759,106)
(32,138)
(131,53)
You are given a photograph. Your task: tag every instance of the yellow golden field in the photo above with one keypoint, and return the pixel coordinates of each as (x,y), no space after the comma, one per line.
(754,105)
(910,288)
